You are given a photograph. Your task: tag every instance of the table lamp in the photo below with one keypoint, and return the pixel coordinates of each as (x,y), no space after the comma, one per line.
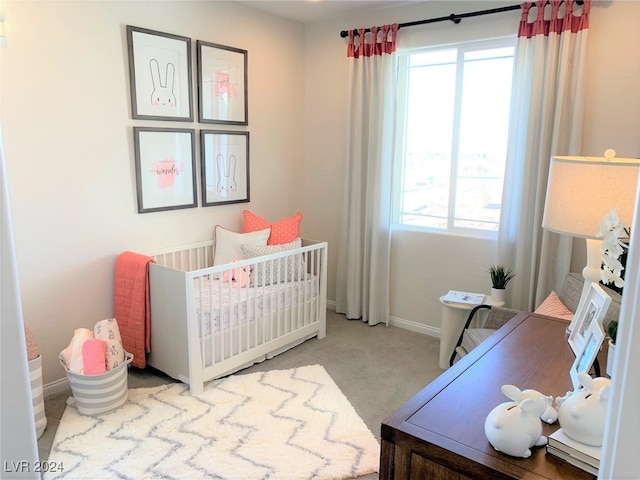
(581,191)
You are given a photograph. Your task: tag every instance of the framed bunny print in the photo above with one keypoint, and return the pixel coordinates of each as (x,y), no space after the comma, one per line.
(160,75)
(222,84)
(165,168)
(225,167)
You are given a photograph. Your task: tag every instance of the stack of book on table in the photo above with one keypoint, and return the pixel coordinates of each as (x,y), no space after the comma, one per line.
(579,454)
(463,298)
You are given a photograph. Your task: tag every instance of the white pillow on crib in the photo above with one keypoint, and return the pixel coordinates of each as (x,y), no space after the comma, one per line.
(227,243)
(291,268)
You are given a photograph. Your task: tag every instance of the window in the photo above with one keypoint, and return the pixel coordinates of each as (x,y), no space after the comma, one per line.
(453,122)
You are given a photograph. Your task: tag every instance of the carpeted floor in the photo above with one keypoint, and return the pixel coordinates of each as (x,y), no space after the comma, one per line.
(377,368)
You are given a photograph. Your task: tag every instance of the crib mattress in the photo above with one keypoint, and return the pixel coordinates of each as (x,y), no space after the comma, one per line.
(217,304)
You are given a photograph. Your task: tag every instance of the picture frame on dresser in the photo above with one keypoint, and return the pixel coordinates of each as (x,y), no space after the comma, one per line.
(222,84)
(592,308)
(224,167)
(165,166)
(594,336)
(159,75)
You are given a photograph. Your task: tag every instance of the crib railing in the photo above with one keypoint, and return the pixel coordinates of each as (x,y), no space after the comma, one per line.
(228,327)
(187,258)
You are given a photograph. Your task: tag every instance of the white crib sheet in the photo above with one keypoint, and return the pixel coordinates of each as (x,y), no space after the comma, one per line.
(238,304)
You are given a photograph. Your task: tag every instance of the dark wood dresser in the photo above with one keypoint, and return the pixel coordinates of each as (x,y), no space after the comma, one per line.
(439,433)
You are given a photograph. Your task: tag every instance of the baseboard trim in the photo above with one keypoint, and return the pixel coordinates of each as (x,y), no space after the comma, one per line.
(402,323)
(415,326)
(62,385)
(57,386)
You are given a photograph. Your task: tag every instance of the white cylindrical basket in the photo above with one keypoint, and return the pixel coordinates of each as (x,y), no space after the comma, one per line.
(37,395)
(96,394)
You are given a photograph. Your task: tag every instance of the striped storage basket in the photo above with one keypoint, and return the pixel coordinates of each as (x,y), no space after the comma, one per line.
(96,394)
(37,395)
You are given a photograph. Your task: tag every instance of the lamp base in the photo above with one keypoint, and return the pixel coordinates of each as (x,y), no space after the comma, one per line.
(591,272)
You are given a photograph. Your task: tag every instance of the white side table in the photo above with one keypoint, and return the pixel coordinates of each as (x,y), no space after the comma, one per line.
(454,316)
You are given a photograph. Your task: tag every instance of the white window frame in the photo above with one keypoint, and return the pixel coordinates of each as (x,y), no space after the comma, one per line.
(399,164)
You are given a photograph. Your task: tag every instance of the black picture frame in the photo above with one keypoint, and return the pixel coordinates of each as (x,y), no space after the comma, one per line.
(222,84)
(165,165)
(159,75)
(224,167)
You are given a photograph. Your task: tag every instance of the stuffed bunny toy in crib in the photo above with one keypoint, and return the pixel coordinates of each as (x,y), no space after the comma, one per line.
(239,276)
(550,414)
(514,427)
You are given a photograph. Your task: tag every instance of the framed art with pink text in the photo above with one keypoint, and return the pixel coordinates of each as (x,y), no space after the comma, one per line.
(222,84)
(165,168)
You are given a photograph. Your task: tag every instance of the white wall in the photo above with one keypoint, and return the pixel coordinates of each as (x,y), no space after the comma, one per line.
(67,127)
(426,266)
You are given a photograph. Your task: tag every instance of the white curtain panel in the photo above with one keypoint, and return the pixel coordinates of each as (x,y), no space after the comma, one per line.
(548,105)
(362,284)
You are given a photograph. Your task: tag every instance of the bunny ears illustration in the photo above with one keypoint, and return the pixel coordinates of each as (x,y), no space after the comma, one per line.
(226,175)
(162,94)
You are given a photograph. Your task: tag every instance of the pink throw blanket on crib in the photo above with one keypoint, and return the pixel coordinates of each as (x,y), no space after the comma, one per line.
(132,306)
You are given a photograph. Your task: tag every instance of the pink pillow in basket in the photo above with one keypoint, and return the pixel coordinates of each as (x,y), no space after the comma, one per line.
(33,351)
(94,356)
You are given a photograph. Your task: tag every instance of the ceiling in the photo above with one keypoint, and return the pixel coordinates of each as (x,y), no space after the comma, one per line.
(309,11)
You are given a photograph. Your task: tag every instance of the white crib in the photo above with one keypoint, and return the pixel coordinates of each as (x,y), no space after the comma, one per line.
(203,326)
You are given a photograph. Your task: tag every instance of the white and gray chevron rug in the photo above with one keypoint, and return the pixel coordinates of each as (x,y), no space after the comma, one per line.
(283,424)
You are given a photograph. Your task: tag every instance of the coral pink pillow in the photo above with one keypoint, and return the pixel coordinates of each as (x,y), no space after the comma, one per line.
(285,230)
(553,307)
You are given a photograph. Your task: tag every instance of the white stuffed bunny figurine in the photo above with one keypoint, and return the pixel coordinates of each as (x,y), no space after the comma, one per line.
(550,415)
(514,427)
(582,413)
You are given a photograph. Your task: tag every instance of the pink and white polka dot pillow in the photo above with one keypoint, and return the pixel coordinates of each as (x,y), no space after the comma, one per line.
(283,231)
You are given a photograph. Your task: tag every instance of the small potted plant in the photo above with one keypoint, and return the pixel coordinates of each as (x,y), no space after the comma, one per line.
(500,277)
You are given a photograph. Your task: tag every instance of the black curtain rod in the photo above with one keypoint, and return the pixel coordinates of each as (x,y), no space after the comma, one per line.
(454,17)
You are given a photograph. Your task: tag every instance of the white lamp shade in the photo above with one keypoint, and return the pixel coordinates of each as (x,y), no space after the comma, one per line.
(582,190)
